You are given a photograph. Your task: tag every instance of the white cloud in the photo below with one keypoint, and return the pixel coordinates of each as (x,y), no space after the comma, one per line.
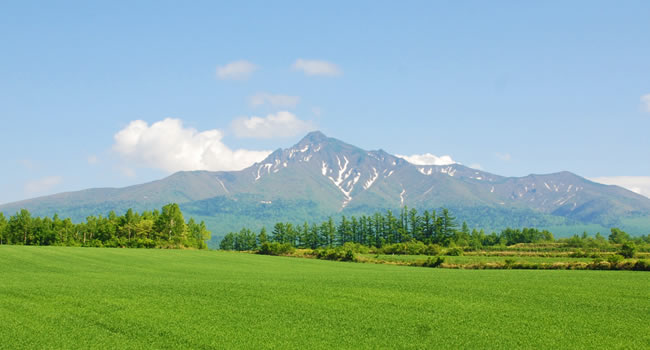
(638,184)
(42,185)
(503,156)
(273,100)
(170,146)
(645,102)
(476,166)
(317,67)
(238,70)
(281,124)
(427,159)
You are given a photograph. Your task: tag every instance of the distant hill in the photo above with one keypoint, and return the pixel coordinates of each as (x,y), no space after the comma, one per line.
(320,177)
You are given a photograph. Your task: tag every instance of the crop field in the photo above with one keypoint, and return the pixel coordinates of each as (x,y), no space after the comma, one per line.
(57,297)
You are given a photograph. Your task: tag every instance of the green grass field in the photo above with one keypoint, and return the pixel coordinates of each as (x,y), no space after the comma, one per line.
(53,297)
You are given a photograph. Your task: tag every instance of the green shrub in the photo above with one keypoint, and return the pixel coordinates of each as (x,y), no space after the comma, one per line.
(336,254)
(455,251)
(407,248)
(599,264)
(628,250)
(355,247)
(579,253)
(626,265)
(430,262)
(614,260)
(275,248)
(642,265)
(349,256)
(432,249)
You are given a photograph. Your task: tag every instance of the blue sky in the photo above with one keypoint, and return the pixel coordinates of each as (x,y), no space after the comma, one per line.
(105,94)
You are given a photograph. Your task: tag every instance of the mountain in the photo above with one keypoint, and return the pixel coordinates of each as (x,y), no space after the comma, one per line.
(321,176)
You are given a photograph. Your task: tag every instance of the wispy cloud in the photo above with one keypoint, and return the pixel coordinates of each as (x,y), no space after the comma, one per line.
(283,101)
(27,163)
(645,102)
(237,70)
(427,159)
(42,185)
(170,146)
(281,124)
(503,156)
(126,171)
(638,184)
(317,67)
(92,159)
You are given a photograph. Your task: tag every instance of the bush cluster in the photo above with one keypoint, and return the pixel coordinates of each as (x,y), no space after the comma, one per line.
(454,251)
(410,248)
(429,262)
(275,248)
(337,254)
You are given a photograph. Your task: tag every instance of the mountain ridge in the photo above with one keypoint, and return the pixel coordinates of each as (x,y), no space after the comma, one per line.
(321,176)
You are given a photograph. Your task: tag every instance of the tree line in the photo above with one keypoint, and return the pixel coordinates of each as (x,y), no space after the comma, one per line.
(150,229)
(377,230)
(433,227)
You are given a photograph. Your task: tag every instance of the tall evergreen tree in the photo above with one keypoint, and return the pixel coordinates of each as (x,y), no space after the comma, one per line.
(262,237)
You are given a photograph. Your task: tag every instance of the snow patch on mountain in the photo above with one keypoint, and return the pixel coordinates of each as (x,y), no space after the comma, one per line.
(372,179)
(222,185)
(448,170)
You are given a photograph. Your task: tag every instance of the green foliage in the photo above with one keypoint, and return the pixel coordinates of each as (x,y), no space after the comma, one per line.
(430,262)
(336,254)
(615,259)
(628,250)
(642,265)
(618,236)
(3,228)
(454,251)
(410,248)
(165,229)
(276,248)
(525,235)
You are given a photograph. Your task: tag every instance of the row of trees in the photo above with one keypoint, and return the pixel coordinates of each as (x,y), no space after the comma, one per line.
(429,227)
(165,228)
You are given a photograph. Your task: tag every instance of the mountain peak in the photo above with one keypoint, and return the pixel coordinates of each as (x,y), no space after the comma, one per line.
(314,137)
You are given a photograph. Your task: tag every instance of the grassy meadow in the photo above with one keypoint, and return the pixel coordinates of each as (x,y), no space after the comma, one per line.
(62,297)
